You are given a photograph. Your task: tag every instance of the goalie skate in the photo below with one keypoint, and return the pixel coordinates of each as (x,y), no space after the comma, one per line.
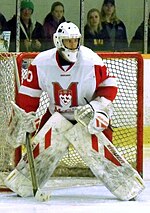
(49,146)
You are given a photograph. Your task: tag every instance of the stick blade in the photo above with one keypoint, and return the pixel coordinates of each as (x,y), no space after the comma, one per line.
(42,196)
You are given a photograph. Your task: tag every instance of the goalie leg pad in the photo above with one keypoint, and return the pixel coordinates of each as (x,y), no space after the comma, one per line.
(49,146)
(123,181)
(18,183)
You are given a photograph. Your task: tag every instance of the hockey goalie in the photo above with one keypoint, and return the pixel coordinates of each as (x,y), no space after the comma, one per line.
(81,91)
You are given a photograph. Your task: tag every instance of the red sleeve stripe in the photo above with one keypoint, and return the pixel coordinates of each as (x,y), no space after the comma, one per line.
(30,92)
(107,92)
(28,103)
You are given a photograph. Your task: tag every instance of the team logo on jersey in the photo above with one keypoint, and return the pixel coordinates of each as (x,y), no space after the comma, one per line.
(65,97)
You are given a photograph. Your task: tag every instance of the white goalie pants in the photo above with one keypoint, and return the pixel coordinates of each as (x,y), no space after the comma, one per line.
(50,145)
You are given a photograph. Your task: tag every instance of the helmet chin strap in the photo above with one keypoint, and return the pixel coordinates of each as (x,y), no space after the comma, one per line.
(63,61)
(69,55)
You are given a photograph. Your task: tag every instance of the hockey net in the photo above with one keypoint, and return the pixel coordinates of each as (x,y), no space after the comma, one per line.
(127,118)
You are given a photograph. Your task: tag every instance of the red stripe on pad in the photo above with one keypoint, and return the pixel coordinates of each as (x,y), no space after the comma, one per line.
(110,157)
(94,142)
(97,123)
(36,151)
(48,138)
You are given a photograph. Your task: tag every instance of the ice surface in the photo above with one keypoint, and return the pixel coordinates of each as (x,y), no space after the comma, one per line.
(79,195)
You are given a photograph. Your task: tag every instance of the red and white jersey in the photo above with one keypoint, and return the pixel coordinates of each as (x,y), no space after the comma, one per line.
(66,86)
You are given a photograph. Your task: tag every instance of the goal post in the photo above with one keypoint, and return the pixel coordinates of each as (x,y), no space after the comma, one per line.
(127,120)
(128,105)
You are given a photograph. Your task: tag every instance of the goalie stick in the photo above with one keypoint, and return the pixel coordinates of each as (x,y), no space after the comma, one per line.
(41,196)
(31,164)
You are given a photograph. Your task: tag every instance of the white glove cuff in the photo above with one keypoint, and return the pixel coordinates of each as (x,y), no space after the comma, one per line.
(100,103)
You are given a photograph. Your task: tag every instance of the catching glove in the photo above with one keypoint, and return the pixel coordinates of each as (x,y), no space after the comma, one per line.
(21,122)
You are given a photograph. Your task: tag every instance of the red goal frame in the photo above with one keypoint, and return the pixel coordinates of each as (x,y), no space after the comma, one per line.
(106,55)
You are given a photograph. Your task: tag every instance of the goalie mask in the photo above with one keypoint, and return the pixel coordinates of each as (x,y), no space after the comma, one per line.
(67,30)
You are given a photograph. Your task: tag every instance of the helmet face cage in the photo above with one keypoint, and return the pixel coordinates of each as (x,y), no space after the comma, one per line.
(67,30)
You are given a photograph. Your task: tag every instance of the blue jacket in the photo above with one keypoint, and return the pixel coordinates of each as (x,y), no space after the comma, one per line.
(117,36)
(137,42)
(97,41)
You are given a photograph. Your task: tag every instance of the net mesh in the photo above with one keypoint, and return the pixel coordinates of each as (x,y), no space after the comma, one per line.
(125,106)
(7,93)
(124,121)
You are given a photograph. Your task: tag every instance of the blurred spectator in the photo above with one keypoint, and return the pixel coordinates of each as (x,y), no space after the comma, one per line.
(95,37)
(114,26)
(31,32)
(137,42)
(3,23)
(51,22)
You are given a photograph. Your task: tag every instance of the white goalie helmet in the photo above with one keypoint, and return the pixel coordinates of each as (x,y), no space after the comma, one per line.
(67,30)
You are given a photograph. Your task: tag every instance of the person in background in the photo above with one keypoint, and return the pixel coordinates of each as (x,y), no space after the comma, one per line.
(3,23)
(114,26)
(51,22)
(31,32)
(95,37)
(137,42)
